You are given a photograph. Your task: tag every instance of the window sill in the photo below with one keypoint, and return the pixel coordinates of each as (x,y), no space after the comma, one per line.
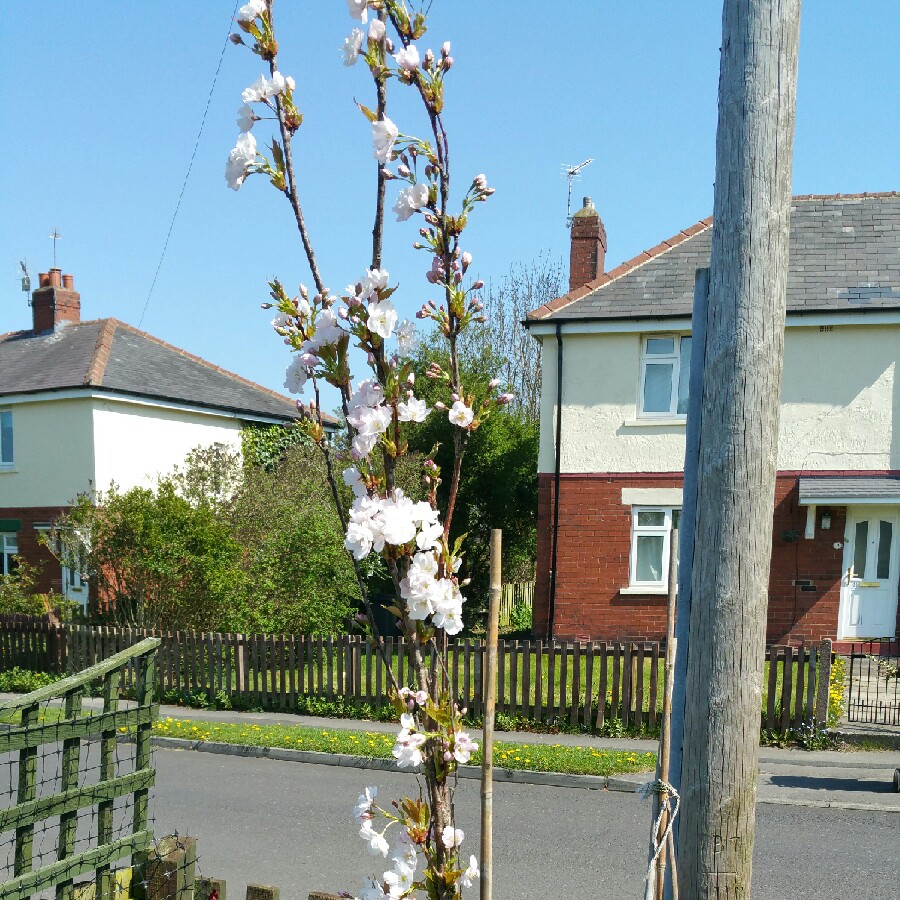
(4,469)
(650,423)
(644,590)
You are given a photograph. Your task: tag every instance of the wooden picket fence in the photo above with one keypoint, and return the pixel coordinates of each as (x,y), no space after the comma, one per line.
(592,684)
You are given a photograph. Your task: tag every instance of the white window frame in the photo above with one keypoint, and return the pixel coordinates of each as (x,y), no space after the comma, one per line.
(10,463)
(637,531)
(9,547)
(675,358)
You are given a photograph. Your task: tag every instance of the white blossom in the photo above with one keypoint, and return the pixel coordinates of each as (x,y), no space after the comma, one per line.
(407,339)
(461,415)
(358,9)
(472,872)
(376,30)
(384,135)
(410,198)
(351,46)
(374,280)
(408,58)
(245,117)
(452,837)
(463,747)
(264,88)
(408,749)
(282,320)
(376,840)
(354,481)
(382,319)
(364,808)
(296,376)
(250,11)
(327,331)
(412,410)
(290,83)
(240,159)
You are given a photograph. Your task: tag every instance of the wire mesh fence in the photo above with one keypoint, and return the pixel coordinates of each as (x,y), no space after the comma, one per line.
(75,777)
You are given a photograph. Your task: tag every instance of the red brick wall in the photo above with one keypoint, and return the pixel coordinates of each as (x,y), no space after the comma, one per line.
(593,561)
(50,577)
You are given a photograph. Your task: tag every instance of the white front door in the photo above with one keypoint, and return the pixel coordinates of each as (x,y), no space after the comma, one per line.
(871,563)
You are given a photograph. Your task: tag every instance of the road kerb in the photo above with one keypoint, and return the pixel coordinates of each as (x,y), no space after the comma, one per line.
(626,783)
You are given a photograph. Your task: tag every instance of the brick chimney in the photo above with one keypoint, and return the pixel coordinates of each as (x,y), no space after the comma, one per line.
(55,302)
(588,250)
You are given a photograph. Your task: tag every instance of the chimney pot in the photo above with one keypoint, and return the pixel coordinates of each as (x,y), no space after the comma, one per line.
(68,282)
(588,203)
(56,277)
(44,279)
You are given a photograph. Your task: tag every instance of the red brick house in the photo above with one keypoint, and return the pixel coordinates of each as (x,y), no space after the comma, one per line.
(613,429)
(87,403)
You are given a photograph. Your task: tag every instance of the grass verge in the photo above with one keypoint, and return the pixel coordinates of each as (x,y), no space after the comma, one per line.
(507,754)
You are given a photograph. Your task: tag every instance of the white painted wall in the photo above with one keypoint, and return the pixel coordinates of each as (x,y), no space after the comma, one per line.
(840,400)
(64,447)
(54,453)
(135,443)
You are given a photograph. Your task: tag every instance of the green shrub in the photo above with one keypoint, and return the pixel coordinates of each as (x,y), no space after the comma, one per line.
(520,617)
(24,681)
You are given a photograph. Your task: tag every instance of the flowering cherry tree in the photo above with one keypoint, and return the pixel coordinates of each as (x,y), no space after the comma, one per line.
(320,326)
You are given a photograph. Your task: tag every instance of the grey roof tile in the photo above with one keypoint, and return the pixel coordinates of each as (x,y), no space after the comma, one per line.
(113,356)
(844,254)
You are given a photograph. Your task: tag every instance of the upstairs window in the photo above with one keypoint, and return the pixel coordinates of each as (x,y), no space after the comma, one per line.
(665,375)
(6,439)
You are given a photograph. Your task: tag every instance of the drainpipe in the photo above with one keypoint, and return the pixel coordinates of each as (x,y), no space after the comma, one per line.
(559,382)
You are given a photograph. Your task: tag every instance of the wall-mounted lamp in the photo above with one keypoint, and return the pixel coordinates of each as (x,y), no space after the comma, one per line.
(826,519)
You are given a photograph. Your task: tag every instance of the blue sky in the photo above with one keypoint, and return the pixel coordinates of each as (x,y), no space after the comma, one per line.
(104,101)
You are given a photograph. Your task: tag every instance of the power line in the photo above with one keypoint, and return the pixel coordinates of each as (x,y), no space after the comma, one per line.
(212,88)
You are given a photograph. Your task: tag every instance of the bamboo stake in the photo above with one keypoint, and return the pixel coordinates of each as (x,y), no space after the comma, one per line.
(490,702)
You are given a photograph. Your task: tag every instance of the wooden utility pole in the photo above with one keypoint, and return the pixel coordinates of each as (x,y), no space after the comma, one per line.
(738,446)
(490,704)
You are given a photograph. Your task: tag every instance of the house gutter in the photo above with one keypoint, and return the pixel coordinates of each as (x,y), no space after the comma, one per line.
(556,478)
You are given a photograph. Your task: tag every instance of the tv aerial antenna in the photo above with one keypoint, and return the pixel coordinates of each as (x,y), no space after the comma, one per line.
(26,278)
(55,235)
(572,172)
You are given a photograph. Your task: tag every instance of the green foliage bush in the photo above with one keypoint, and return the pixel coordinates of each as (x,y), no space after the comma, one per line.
(23,681)
(17,594)
(520,617)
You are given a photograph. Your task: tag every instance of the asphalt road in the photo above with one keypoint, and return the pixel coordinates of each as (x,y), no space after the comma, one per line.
(290,824)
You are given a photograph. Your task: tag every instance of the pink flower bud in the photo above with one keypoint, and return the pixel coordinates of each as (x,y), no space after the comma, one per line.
(439,405)
(447,756)
(503,399)
(479,182)
(466,260)
(370,357)
(454,397)
(304,292)
(457,277)
(411,378)
(343,313)
(494,383)
(430,277)
(447,62)
(355,301)
(478,285)
(429,58)
(445,48)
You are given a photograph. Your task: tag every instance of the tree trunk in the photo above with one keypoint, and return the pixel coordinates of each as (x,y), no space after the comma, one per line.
(738,445)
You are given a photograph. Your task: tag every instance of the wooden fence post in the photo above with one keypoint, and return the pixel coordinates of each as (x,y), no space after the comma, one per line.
(824,686)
